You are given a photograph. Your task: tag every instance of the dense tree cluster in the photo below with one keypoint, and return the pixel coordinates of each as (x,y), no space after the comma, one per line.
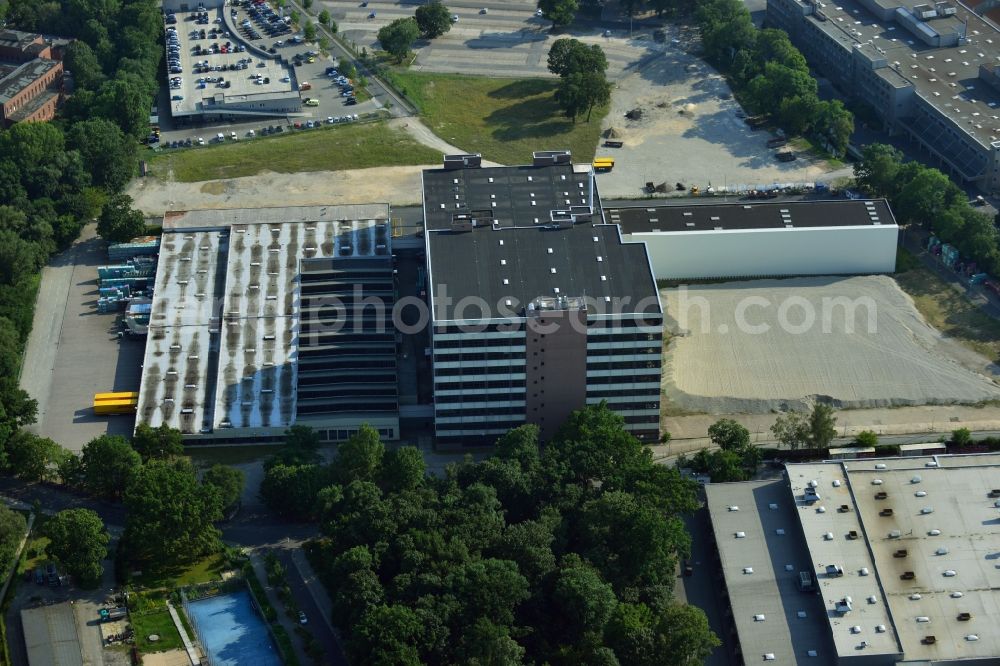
(79,541)
(583,83)
(12,529)
(770,75)
(562,554)
(56,176)
(923,196)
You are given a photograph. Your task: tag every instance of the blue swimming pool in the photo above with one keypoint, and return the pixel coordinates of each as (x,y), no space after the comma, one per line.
(232,632)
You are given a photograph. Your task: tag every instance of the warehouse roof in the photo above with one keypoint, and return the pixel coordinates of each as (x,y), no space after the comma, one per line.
(531,232)
(930,530)
(223,333)
(50,635)
(757,536)
(690,217)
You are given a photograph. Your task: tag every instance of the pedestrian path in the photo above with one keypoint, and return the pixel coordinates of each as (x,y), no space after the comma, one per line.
(188,645)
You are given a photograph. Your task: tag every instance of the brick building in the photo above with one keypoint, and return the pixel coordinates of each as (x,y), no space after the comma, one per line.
(31,74)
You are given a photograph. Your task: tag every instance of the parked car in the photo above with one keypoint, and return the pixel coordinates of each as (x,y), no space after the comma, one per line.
(302,618)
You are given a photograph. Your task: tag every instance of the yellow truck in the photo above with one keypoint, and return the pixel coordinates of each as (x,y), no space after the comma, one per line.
(603,164)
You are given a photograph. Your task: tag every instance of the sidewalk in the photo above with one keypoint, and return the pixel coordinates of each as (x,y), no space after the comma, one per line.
(257,560)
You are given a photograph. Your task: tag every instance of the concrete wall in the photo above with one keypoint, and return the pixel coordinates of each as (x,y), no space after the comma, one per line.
(770,252)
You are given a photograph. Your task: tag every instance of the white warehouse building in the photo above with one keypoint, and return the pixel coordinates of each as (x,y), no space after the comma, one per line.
(758,239)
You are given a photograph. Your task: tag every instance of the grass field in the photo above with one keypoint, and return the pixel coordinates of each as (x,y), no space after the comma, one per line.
(204,570)
(504,119)
(329,148)
(948,310)
(157,623)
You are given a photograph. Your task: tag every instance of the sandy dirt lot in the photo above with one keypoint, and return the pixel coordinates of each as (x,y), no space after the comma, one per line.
(745,347)
(689,131)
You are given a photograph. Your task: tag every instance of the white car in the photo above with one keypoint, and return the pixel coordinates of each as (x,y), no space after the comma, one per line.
(538,12)
(454,18)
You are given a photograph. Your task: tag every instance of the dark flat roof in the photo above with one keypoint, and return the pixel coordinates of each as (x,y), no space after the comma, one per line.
(522,247)
(751,215)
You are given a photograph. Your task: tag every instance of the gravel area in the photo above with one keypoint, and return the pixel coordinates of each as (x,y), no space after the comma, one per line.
(748,347)
(689,131)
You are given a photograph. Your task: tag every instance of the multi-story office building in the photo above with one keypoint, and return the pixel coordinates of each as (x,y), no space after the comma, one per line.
(537,306)
(31,76)
(926,69)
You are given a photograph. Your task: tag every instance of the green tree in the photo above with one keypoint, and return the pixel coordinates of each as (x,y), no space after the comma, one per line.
(867,438)
(324,17)
(822,426)
(729,435)
(291,490)
(79,541)
(32,457)
(833,125)
(961,437)
(301,447)
(404,468)
(579,92)
(109,463)
(360,457)
(721,466)
(227,481)
(309,31)
(683,636)
(307,4)
(878,169)
(397,37)
(560,12)
(791,430)
(773,45)
(926,196)
(119,222)
(124,101)
(433,19)
(583,600)
(568,56)
(70,470)
(110,155)
(386,635)
(160,442)
(79,59)
(169,516)
(12,529)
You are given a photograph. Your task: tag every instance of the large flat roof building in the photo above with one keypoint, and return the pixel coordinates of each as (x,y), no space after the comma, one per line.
(257,323)
(902,553)
(925,68)
(753,239)
(537,306)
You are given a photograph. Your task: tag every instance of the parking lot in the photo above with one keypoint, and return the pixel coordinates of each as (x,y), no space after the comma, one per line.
(74,352)
(509,39)
(287,67)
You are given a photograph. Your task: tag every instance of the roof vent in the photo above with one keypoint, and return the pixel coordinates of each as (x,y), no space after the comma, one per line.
(972,638)
(923,619)
(934,533)
(894,534)
(964,617)
(759,617)
(836,483)
(821,509)
(852,535)
(812,653)
(813,484)
(920,493)
(928,640)
(855,629)
(902,552)
(931,463)
(872,599)
(916,479)
(876,482)
(863,571)
(879,465)
(843,508)
(741,535)
(886,512)
(802,615)
(769,656)
(881,495)
(907,575)
(828,536)
(772,506)
(779,532)
(949,573)
(747,570)
(957,595)
(734,508)
(915,596)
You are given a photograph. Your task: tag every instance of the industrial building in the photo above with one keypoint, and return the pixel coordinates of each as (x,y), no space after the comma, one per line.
(538,307)
(260,319)
(927,70)
(866,561)
(31,77)
(756,239)
(51,635)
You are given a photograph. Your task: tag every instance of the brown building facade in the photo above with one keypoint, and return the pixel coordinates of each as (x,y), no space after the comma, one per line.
(31,75)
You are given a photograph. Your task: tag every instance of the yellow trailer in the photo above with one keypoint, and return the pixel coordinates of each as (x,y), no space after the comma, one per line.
(108,407)
(603,164)
(120,395)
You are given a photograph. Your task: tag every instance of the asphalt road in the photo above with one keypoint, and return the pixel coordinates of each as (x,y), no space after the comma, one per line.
(316,623)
